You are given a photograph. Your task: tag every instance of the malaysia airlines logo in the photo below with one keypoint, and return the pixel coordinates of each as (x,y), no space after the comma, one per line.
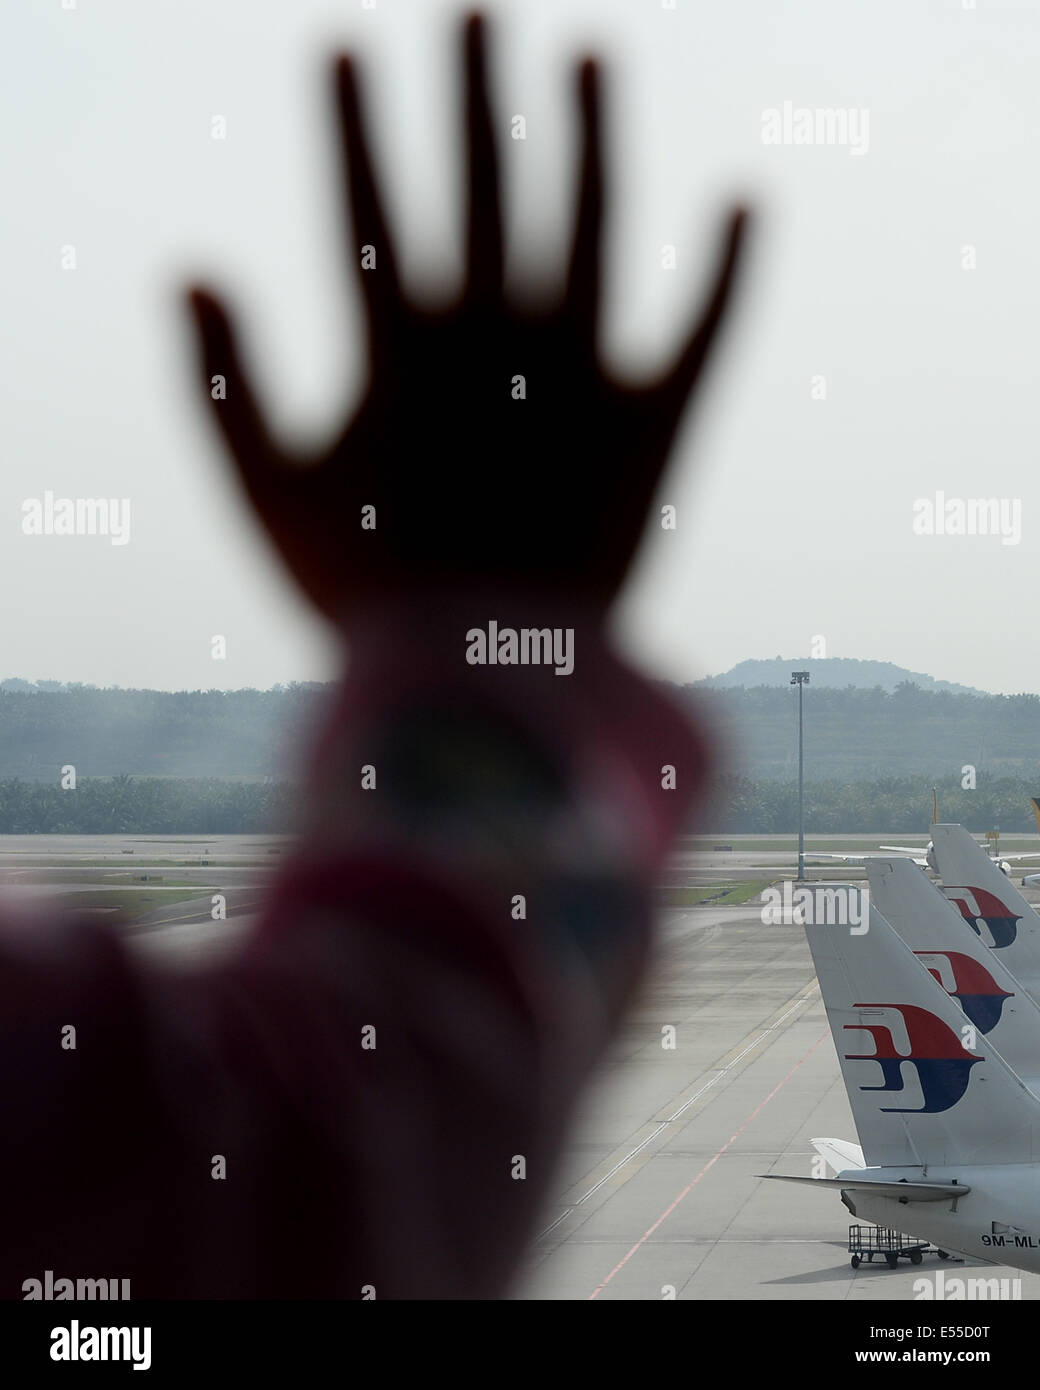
(969,983)
(981,909)
(942,1063)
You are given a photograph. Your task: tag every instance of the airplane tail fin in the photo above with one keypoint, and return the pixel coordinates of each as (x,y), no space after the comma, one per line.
(1036,812)
(972,974)
(986,898)
(919,1094)
(840,1154)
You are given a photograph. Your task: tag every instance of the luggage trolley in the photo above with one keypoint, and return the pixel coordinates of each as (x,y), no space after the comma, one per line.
(867,1241)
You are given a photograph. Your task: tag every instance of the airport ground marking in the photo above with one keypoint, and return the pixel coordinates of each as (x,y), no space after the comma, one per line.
(135,927)
(710,1164)
(663,1125)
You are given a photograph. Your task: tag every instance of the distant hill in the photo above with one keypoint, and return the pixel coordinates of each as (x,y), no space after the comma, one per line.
(855,728)
(251,734)
(857,734)
(833,672)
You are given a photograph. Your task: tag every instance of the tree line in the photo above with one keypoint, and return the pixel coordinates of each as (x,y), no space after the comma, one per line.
(147,806)
(890,805)
(195,734)
(853,734)
(860,734)
(733,804)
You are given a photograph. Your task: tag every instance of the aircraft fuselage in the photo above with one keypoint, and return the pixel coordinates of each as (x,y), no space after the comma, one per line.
(998,1220)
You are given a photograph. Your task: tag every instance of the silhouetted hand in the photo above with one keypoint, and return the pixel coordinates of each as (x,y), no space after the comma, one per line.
(492,445)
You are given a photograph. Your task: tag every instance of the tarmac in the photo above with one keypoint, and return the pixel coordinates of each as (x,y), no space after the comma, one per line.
(659,1195)
(724,1070)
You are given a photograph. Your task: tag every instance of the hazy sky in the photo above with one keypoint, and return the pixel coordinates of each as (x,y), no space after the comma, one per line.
(795,513)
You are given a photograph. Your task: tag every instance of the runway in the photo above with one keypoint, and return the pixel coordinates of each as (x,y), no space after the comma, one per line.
(41,872)
(658,1196)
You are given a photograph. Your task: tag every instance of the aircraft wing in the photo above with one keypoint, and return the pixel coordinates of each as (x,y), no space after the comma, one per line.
(917,852)
(867,854)
(878,1187)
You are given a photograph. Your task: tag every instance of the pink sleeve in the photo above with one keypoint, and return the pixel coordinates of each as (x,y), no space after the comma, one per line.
(369,1098)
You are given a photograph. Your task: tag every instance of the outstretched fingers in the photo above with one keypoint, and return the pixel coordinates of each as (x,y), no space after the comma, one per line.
(583,276)
(373,251)
(234,402)
(683,376)
(485,254)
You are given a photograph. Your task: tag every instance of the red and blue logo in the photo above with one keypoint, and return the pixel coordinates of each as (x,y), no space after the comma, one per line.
(943,1065)
(969,983)
(981,909)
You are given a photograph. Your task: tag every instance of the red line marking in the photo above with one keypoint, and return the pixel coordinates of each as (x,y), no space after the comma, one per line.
(710,1164)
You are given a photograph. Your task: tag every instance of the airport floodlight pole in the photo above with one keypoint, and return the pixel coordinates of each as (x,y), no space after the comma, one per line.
(800,678)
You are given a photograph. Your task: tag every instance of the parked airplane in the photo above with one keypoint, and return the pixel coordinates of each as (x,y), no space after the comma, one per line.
(994,1001)
(950,1135)
(1034,878)
(989,903)
(1002,861)
(924,855)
